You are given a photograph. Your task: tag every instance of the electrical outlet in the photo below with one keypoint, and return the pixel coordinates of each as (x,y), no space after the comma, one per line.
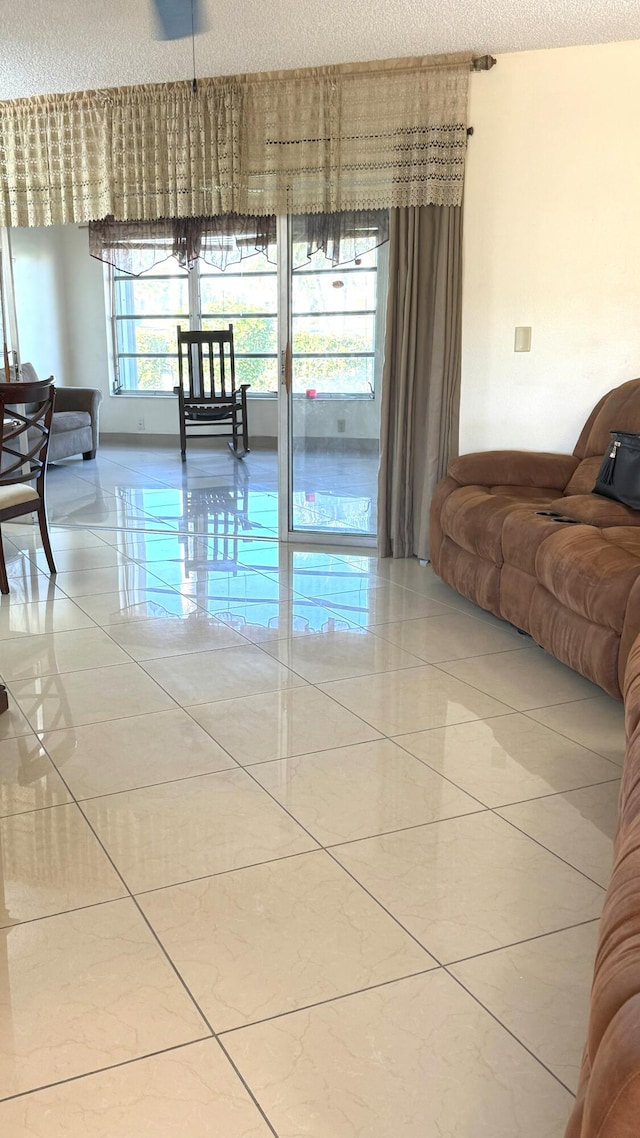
(341,426)
(140,426)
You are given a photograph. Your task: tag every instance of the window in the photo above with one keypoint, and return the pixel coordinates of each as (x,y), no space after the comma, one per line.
(245,295)
(146,311)
(334,326)
(335,330)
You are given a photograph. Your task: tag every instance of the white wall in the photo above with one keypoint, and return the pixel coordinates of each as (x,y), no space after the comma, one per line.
(41,301)
(552,240)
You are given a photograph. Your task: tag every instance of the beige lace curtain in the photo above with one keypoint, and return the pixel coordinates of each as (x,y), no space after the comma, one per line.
(322,140)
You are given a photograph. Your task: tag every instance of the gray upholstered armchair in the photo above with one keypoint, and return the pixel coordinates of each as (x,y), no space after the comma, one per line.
(74,429)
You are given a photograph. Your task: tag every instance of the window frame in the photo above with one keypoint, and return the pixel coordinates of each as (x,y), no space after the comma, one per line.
(196,317)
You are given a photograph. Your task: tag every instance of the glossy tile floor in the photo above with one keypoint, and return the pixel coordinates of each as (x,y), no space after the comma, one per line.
(141,487)
(294,842)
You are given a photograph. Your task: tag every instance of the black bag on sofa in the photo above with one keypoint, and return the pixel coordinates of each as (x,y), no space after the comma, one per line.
(619,475)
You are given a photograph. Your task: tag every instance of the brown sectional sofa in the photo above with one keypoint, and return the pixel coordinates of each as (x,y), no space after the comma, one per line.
(571,584)
(574,585)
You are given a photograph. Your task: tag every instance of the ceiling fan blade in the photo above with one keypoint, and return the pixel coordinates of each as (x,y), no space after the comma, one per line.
(177,19)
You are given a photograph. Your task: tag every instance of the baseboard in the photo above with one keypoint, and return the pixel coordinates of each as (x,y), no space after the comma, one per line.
(317,444)
(145,439)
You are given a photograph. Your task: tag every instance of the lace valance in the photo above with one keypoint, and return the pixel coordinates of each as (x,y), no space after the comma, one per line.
(136,246)
(321,140)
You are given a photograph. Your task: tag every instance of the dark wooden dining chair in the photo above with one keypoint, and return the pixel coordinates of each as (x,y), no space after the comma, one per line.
(26,409)
(207,392)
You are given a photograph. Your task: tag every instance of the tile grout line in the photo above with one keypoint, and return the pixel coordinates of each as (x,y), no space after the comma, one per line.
(509,1031)
(517,943)
(131,896)
(103,1070)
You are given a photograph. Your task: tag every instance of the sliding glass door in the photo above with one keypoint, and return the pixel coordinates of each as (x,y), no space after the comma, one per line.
(308,338)
(332,368)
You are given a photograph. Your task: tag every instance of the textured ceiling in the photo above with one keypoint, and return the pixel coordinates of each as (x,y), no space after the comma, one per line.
(68,45)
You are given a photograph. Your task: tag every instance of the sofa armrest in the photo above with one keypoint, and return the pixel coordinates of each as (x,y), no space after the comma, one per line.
(81,399)
(513,468)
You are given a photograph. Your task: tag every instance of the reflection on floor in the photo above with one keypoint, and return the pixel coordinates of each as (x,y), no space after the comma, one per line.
(293,842)
(148,487)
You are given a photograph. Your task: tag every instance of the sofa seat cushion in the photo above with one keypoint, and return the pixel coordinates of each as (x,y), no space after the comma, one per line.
(594,510)
(588,574)
(627,537)
(474,516)
(590,649)
(523,532)
(69,421)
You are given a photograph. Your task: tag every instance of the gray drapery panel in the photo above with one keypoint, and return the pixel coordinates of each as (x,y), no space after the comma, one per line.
(421,374)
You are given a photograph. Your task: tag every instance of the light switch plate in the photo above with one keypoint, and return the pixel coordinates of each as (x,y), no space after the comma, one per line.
(522,342)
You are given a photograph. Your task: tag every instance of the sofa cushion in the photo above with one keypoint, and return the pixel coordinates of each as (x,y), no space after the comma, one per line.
(591,649)
(69,421)
(523,532)
(627,537)
(472,576)
(594,510)
(584,477)
(618,410)
(513,468)
(588,574)
(473,517)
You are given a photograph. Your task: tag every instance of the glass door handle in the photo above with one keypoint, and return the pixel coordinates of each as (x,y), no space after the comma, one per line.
(285,367)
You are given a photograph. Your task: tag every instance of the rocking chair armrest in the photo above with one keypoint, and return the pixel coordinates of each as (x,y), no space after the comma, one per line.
(245,386)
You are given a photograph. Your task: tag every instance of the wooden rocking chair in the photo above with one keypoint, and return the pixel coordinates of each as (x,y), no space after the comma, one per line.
(209,397)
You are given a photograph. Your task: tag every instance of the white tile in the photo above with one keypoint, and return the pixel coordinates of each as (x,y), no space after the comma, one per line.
(507,759)
(470,884)
(353,792)
(266,940)
(90,696)
(133,605)
(86,990)
(524,679)
(455,637)
(41,618)
(381,605)
(227,672)
(156,639)
(35,846)
(414,699)
(124,754)
(275,725)
(540,991)
(163,835)
(596,723)
(58,652)
(340,655)
(578,826)
(189,1092)
(28,778)
(416,1058)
